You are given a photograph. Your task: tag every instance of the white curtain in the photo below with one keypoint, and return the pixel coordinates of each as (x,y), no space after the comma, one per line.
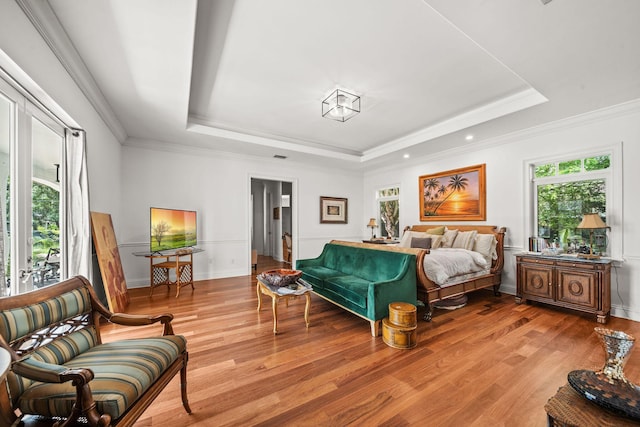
(78,226)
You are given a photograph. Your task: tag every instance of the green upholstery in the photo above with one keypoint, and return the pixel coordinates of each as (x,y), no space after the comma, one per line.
(364,281)
(123,371)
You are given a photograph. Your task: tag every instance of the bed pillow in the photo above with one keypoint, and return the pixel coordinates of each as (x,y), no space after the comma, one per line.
(405,242)
(421,242)
(485,244)
(436,230)
(465,240)
(449,237)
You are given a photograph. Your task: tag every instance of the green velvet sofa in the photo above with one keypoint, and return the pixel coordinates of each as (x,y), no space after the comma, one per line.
(361,280)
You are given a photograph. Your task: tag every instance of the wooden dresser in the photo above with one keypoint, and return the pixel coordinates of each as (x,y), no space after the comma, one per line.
(565,281)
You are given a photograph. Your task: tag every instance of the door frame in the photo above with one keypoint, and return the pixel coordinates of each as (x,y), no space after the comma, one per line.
(294,213)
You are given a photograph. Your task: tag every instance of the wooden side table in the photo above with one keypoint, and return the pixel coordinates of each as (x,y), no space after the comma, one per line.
(569,409)
(263,288)
(181,262)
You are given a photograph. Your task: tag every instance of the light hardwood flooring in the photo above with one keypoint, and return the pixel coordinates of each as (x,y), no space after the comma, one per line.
(490,363)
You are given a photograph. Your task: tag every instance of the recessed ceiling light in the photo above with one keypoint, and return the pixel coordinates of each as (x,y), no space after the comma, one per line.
(468,137)
(406,156)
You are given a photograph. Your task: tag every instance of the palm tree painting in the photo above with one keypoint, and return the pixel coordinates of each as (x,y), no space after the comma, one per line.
(455,195)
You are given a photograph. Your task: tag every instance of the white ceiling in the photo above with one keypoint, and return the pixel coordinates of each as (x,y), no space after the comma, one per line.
(249,76)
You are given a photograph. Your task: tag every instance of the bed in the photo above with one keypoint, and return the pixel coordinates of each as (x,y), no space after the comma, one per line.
(432,285)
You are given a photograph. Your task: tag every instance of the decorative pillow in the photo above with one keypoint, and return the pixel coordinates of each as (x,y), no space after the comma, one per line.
(485,244)
(449,237)
(436,240)
(405,242)
(436,230)
(421,242)
(465,240)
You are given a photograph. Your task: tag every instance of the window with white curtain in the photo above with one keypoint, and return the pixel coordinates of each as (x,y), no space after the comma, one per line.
(35,202)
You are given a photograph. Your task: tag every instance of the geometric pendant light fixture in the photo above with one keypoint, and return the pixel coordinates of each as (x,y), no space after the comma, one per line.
(340,105)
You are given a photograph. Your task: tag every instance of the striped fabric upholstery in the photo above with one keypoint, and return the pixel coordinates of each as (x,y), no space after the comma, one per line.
(123,371)
(66,348)
(56,352)
(20,322)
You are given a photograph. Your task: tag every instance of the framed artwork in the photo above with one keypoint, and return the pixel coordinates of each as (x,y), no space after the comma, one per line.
(104,239)
(276,213)
(333,210)
(455,195)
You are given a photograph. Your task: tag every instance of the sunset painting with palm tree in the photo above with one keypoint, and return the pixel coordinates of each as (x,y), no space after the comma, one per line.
(457,195)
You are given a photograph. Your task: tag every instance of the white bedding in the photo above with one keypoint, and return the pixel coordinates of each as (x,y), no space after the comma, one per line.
(443,264)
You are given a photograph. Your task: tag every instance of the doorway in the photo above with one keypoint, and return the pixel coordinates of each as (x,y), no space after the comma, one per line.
(272,207)
(31,217)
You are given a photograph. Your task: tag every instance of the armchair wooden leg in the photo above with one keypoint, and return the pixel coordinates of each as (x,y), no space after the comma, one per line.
(183,384)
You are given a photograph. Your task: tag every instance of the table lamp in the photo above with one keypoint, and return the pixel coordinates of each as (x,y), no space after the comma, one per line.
(372,224)
(591,221)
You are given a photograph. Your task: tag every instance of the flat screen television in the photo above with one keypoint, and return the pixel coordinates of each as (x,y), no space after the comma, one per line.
(172,229)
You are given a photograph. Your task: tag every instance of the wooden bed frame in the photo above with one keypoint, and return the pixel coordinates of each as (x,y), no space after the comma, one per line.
(429,292)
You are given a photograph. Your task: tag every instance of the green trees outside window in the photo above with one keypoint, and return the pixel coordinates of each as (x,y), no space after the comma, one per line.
(46,217)
(389,212)
(561,202)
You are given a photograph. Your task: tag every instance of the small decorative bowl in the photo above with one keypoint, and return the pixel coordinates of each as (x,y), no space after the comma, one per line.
(280,277)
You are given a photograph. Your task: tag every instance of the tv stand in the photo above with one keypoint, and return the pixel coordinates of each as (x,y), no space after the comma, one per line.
(161,264)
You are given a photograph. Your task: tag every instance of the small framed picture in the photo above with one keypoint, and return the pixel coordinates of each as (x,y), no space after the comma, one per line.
(333,210)
(276,213)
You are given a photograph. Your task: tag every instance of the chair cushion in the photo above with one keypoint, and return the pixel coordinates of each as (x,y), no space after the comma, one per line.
(352,289)
(316,275)
(123,371)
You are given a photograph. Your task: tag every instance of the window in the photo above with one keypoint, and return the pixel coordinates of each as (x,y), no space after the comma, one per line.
(32,218)
(565,190)
(389,211)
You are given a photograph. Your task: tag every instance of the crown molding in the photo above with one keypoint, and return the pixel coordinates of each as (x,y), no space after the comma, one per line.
(197,125)
(45,21)
(177,148)
(584,119)
(507,105)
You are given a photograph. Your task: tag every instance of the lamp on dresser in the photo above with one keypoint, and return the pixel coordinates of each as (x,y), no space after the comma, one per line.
(591,221)
(372,224)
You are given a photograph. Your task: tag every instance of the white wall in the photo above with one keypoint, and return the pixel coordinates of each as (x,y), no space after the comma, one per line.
(505,160)
(218,187)
(24,45)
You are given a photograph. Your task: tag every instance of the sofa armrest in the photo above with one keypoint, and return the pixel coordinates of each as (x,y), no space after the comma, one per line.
(309,262)
(80,378)
(142,320)
(401,288)
(37,370)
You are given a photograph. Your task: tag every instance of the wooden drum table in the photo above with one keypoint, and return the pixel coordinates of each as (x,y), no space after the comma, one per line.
(277,294)
(400,329)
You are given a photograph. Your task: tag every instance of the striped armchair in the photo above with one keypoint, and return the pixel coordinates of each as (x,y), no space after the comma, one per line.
(61,368)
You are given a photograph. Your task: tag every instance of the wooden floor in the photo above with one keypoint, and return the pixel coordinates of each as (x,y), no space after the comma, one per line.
(490,363)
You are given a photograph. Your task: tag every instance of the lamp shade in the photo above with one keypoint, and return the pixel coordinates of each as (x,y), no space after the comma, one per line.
(592,221)
(372,223)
